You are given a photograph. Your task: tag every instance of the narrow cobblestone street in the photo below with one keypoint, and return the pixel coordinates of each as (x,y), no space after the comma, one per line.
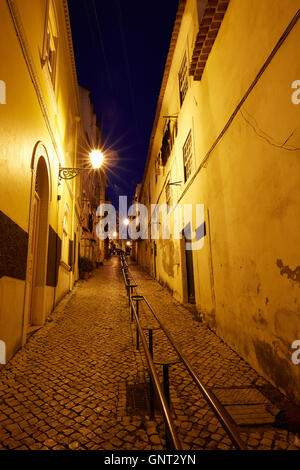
(73,386)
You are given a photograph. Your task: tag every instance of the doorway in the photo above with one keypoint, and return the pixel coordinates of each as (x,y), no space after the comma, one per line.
(189,268)
(32,255)
(38,248)
(154,259)
(190,276)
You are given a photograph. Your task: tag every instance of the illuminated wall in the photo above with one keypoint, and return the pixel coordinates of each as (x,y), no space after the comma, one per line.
(39,127)
(243,119)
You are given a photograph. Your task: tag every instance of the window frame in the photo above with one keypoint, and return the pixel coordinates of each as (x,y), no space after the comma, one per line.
(188,160)
(51,39)
(168,191)
(183,81)
(65,238)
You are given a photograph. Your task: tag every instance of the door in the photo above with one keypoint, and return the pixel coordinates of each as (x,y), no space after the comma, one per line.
(190,275)
(33,255)
(154,259)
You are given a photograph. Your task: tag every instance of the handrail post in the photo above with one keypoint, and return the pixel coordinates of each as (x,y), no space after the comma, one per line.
(219,410)
(129,294)
(151,342)
(137,339)
(151,387)
(136,308)
(166,382)
(172,440)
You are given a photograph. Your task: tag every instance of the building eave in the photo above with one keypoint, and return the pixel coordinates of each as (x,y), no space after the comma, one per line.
(208,30)
(71,52)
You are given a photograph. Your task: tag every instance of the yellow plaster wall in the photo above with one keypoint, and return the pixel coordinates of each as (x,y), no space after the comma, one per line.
(11,313)
(22,125)
(246,282)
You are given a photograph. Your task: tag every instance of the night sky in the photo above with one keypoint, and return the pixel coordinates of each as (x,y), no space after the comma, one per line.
(120,50)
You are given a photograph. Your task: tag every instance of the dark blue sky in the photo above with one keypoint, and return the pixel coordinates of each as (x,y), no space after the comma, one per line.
(120,50)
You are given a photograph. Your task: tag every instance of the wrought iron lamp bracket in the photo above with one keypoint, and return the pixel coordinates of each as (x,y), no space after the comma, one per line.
(70,173)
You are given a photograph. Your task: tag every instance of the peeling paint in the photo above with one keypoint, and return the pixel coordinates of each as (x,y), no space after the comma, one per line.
(168,257)
(258,287)
(258,318)
(210,319)
(292,274)
(276,368)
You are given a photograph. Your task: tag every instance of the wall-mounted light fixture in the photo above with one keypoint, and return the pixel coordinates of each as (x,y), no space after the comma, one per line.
(96,158)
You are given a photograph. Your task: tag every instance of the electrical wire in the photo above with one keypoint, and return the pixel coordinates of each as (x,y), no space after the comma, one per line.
(127,66)
(270,140)
(110,82)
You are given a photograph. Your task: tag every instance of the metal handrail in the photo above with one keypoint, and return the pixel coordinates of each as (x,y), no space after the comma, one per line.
(126,270)
(173,438)
(221,413)
(218,409)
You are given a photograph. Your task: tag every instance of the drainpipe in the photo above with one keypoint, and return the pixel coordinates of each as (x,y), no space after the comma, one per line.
(77,121)
(56,247)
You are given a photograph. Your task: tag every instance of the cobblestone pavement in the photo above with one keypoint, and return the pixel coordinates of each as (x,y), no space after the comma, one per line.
(251,401)
(79,381)
(66,389)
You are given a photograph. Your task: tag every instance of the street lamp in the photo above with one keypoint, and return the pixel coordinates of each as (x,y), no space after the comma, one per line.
(96,158)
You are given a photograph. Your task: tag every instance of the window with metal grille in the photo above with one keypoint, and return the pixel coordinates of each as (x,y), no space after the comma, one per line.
(51,41)
(188,157)
(157,166)
(65,237)
(90,223)
(168,194)
(166,147)
(183,79)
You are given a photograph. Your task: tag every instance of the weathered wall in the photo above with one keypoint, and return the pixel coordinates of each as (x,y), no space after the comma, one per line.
(247,273)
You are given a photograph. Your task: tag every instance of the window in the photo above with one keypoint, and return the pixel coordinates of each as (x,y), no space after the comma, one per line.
(168,195)
(157,166)
(90,223)
(175,129)
(166,147)
(183,79)
(188,157)
(174,133)
(65,239)
(51,42)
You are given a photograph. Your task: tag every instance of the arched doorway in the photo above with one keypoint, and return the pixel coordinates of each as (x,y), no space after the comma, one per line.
(38,246)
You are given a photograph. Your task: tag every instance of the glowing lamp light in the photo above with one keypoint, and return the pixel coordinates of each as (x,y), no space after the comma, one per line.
(126,222)
(114,234)
(96,157)
(128,243)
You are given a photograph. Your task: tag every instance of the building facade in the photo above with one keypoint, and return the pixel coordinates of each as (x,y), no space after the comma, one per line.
(40,128)
(93,183)
(226,136)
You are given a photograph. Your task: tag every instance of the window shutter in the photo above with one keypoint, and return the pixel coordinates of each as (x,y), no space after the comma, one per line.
(70,262)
